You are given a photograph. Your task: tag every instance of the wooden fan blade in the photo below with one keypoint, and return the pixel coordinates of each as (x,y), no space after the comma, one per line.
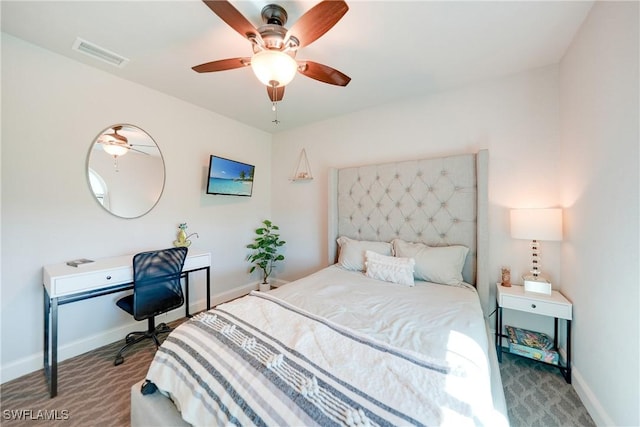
(323,73)
(317,21)
(229,14)
(275,95)
(222,65)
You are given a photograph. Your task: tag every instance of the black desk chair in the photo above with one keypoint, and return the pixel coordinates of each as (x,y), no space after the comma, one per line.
(156,290)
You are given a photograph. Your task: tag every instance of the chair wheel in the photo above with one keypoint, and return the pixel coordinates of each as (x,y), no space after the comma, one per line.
(119,360)
(128,339)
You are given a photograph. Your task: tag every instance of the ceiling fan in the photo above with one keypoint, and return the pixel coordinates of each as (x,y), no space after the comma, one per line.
(274,47)
(117,145)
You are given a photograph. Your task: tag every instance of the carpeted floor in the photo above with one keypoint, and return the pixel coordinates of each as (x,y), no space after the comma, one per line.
(93,392)
(538,396)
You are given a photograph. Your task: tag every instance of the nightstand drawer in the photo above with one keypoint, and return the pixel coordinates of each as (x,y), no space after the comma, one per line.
(545,308)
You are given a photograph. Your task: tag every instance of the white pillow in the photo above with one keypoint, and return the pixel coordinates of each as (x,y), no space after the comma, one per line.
(351,254)
(390,269)
(437,264)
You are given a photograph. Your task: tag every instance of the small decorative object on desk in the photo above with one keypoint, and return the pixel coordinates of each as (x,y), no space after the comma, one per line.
(79,262)
(506,277)
(182,240)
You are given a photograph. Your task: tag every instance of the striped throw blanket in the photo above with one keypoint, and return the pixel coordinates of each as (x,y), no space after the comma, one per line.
(260,361)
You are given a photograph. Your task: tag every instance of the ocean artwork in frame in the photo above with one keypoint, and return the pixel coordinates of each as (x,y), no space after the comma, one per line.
(230,177)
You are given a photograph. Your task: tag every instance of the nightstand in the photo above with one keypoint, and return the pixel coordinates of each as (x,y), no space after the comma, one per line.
(554,305)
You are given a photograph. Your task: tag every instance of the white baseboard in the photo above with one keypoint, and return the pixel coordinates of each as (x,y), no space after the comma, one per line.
(589,400)
(34,362)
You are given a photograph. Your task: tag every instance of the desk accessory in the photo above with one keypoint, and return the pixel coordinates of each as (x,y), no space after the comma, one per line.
(182,237)
(79,262)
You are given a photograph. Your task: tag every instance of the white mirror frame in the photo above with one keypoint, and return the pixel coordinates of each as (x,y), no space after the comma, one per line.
(129,185)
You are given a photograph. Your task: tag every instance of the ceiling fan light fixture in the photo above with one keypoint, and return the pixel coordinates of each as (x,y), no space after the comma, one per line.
(274,66)
(115,149)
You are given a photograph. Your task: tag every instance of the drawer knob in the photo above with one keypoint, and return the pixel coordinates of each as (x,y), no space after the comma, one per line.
(108,277)
(533,306)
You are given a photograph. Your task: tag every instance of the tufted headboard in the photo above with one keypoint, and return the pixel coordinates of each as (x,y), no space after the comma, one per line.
(440,201)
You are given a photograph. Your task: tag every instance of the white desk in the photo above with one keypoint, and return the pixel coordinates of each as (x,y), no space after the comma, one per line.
(64,284)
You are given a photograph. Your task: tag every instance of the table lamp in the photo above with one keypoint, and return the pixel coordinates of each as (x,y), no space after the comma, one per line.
(536,225)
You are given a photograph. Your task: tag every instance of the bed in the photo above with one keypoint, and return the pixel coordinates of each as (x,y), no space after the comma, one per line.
(392,332)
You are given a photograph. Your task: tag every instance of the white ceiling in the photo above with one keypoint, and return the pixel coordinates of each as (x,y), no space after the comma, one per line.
(390,49)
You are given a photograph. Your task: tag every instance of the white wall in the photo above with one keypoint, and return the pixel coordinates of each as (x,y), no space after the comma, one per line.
(600,137)
(516,118)
(52,109)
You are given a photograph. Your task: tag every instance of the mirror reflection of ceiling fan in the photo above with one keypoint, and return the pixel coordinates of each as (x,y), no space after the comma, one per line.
(117,145)
(274,47)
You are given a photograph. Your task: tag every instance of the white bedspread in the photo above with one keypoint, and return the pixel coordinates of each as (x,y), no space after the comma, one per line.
(333,348)
(440,321)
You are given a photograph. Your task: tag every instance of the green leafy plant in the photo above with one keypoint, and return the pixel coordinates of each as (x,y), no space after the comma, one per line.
(265,249)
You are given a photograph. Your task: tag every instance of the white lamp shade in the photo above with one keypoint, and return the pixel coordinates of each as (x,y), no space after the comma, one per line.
(536,224)
(274,66)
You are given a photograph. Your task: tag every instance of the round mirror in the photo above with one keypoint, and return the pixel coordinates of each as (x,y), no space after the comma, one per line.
(125,170)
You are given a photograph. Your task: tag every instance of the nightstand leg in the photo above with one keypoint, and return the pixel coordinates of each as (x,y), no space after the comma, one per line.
(568,375)
(499,333)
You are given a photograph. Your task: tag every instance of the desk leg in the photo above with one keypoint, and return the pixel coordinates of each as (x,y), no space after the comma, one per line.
(208,288)
(54,347)
(186,288)
(45,353)
(51,343)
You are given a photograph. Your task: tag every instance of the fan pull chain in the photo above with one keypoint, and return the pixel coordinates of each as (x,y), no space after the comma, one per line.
(115,163)
(274,106)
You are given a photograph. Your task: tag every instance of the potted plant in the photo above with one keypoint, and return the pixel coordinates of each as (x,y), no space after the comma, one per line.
(265,251)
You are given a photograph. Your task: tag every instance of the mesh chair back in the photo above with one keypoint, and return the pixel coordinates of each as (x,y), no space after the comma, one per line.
(156,282)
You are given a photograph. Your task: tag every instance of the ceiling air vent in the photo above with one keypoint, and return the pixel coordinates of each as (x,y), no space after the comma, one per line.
(100,53)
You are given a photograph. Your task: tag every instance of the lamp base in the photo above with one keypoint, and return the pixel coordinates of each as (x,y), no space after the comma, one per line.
(538,285)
